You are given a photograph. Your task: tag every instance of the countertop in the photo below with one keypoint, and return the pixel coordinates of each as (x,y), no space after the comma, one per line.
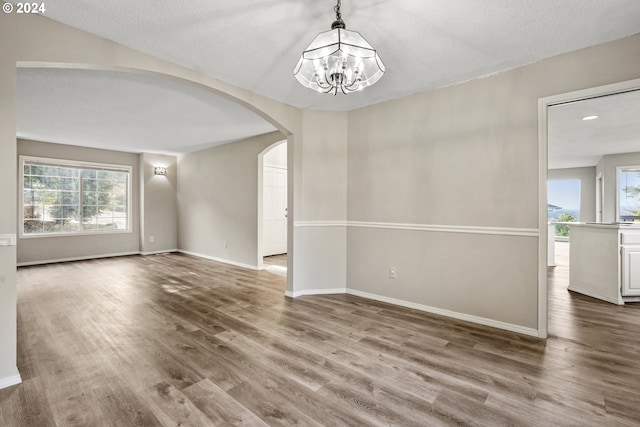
(613,225)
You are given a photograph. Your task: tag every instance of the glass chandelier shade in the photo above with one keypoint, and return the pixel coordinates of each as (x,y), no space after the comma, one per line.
(339,60)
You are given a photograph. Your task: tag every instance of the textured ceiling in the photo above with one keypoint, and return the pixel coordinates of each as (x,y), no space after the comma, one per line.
(574,142)
(255,44)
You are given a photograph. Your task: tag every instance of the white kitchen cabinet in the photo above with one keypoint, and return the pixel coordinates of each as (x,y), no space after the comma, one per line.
(631,270)
(604,261)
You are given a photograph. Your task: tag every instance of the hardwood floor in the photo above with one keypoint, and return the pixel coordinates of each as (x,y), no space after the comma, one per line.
(276,264)
(279,260)
(176,340)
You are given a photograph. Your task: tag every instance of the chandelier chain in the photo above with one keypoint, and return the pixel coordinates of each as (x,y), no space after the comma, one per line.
(337,10)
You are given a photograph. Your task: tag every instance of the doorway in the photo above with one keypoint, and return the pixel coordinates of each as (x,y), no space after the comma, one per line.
(274,213)
(550,154)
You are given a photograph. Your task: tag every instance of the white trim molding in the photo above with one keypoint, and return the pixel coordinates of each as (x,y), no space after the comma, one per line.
(11,380)
(468,229)
(89,257)
(590,293)
(428,309)
(448,313)
(320,224)
(297,294)
(81,258)
(222,260)
(164,251)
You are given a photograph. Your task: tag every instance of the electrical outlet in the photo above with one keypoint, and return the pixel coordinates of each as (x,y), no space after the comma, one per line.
(392,272)
(152,239)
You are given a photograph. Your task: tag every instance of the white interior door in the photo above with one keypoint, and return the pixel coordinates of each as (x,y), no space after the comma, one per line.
(274,211)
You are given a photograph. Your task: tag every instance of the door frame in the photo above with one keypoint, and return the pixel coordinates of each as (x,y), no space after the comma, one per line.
(259,237)
(599,197)
(543,165)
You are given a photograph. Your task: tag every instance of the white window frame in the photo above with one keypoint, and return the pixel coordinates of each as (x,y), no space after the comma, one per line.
(78,164)
(619,169)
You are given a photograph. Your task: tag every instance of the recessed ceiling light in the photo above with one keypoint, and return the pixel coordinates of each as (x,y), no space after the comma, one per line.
(590,117)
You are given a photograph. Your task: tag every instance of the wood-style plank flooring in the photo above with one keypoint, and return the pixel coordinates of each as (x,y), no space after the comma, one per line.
(175,340)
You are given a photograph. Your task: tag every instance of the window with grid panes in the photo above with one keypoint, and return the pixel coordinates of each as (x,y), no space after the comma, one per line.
(66,197)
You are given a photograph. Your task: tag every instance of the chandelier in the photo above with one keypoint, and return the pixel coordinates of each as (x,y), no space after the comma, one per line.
(339,60)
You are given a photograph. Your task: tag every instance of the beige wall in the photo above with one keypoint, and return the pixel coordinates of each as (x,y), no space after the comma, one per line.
(43,249)
(218,200)
(158,207)
(38,41)
(153,208)
(419,159)
(323,208)
(587,178)
(324,175)
(451,273)
(8,209)
(462,156)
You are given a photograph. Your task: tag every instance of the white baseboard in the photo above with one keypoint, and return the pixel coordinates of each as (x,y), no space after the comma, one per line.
(81,258)
(315,292)
(592,294)
(222,260)
(448,313)
(9,381)
(165,251)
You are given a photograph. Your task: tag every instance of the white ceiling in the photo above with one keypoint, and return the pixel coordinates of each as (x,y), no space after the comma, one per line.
(574,142)
(255,44)
(127,112)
